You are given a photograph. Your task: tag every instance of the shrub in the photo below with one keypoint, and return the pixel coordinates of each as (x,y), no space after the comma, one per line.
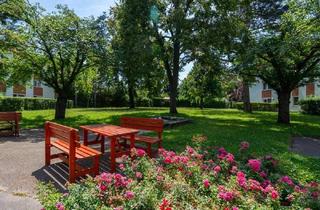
(273,107)
(22,103)
(195,179)
(311,105)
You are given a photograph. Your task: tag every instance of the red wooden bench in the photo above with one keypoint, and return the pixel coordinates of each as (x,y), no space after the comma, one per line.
(145,124)
(66,140)
(9,123)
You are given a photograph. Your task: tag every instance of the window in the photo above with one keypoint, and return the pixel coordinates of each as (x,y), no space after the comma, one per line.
(265,86)
(295,100)
(267,100)
(36,83)
(18,95)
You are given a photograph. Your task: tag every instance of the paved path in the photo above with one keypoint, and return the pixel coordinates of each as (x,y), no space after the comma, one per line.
(20,158)
(22,167)
(306,146)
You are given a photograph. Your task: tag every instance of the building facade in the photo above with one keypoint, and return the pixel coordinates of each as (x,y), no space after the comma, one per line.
(33,89)
(261,92)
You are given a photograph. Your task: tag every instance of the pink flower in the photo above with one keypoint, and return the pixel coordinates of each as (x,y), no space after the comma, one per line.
(129,195)
(263,174)
(254,164)
(139,175)
(102,187)
(160,178)
(222,153)
(206,183)
(254,185)
(217,169)
(234,169)
(59,206)
(244,145)
(274,194)
(287,179)
(227,196)
(241,179)
(190,150)
(290,197)
(235,208)
(230,158)
(168,160)
(121,166)
(141,153)
(315,195)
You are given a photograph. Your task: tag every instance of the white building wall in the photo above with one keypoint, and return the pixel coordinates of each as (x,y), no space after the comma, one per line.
(9,91)
(48,92)
(255,92)
(257,88)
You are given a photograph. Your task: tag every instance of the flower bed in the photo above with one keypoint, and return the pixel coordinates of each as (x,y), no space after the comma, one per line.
(208,178)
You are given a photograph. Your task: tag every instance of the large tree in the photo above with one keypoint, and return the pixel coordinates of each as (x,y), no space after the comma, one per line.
(172,23)
(57,47)
(285,51)
(131,44)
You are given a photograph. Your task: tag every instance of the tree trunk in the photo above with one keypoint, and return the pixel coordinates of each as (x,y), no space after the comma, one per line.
(246,98)
(61,106)
(201,102)
(173,99)
(131,95)
(284,106)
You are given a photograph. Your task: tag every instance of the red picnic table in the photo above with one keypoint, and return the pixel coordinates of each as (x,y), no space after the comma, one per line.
(112,132)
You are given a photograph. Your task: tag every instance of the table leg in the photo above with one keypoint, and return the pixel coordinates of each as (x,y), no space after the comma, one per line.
(132,141)
(113,154)
(85,137)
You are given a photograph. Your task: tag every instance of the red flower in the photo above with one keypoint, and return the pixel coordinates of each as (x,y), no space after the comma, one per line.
(165,205)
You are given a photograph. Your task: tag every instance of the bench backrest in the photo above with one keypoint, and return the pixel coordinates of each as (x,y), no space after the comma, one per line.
(148,124)
(10,116)
(61,132)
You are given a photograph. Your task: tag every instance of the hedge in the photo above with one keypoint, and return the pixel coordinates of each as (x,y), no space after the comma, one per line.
(213,103)
(273,107)
(310,105)
(23,103)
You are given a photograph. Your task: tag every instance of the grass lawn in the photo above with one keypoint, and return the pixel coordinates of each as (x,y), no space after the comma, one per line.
(223,127)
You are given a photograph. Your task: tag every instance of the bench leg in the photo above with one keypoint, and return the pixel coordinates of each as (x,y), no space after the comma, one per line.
(72,170)
(96,166)
(48,154)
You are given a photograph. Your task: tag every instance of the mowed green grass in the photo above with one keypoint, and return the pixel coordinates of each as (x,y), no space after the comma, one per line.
(224,127)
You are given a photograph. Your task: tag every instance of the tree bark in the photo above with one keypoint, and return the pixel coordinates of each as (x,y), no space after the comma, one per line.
(131,96)
(61,106)
(246,98)
(173,98)
(284,106)
(201,102)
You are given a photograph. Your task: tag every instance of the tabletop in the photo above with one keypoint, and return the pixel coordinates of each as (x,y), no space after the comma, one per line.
(109,130)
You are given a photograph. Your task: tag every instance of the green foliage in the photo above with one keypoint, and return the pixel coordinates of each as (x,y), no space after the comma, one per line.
(310,105)
(273,107)
(201,85)
(48,195)
(23,103)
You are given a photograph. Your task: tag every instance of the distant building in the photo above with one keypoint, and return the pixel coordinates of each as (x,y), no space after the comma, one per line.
(35,89)
(261,92)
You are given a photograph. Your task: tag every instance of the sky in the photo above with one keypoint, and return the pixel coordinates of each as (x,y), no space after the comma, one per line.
(85,8)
